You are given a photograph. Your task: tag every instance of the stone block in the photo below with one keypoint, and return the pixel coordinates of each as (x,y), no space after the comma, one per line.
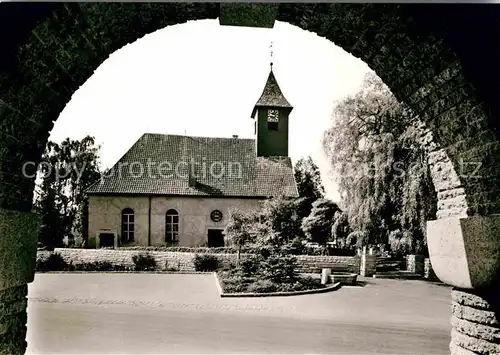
(325,275)
(465,252)
(478,346)
(415,264)
(368,265)
(428,272)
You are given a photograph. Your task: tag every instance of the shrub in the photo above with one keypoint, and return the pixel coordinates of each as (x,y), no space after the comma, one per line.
(55,262)
(249,266)
(310,283)
(262,286)
(291,287)
(98,266)
(280,268)
(265,251)
(205,262)
(234,283)
(144,262)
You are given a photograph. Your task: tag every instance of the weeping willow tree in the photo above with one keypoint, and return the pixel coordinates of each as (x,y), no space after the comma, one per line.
(379,164)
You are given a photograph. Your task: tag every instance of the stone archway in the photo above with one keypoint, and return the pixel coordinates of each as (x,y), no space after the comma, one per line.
(440,60)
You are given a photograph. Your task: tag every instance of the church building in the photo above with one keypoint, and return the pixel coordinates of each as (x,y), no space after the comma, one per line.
(174,190)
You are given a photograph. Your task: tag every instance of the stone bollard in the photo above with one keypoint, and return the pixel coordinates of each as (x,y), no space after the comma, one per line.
(368,265)
(325,275)
(428,272)
(415,264)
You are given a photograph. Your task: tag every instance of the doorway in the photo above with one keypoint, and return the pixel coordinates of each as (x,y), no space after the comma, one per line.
(215,238)
(106,240)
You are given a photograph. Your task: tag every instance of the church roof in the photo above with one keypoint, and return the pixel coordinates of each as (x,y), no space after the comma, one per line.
(157,164)
(272,95)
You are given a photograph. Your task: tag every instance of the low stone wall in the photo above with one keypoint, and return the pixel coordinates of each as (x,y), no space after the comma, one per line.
(314,264)
(164,260)
(183,261)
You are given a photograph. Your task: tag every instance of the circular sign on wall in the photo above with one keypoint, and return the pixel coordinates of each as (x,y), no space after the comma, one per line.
(216,216)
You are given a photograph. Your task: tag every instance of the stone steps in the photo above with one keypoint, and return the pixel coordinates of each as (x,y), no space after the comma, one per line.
(388,264)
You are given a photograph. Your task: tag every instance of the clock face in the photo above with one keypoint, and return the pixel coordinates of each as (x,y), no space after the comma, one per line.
(272,115)
(216,216)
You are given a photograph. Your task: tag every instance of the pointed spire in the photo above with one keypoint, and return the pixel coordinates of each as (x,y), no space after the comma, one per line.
(272,95)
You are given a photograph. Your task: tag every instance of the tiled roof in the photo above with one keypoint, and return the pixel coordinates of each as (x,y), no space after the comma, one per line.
(272,95)
(157,164)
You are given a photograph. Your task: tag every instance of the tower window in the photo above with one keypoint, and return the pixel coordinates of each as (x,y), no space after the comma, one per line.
(272,126)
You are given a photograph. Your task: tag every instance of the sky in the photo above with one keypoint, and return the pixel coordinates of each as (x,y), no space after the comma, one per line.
(203,79)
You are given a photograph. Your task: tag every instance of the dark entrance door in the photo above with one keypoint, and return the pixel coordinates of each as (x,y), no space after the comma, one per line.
(215,238)
(106,240)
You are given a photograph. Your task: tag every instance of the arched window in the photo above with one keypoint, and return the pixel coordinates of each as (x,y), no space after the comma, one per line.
(172,226)
(128,225)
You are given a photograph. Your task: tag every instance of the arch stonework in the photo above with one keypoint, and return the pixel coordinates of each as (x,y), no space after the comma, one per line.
(440,60)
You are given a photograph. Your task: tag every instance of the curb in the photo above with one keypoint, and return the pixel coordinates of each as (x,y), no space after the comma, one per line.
(124,272)
(217,283)
(334,287)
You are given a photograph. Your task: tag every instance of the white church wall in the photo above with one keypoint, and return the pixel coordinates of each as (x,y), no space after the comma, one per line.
(194,216)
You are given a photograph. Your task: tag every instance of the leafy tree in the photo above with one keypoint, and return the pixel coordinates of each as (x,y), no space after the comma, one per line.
(309,185)
(357,239)
(69,169)
(280,222)
(239,228)
(52,229)
(379,163)
(308,178)
(340,228)
(318,225)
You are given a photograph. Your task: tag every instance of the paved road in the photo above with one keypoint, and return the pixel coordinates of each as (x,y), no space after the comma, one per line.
(179,314)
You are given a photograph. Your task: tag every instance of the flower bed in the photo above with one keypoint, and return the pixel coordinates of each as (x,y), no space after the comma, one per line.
(232,282)
(268,272)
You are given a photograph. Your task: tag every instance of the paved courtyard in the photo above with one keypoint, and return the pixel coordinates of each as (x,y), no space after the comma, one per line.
(174,314)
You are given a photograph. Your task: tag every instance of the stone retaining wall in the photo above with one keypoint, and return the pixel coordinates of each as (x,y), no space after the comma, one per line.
(312,264)
(183,261)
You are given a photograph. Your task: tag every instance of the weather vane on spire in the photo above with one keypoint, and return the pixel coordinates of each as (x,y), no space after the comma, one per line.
(271,53)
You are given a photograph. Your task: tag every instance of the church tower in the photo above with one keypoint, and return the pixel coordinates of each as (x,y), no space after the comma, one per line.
(271,114)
